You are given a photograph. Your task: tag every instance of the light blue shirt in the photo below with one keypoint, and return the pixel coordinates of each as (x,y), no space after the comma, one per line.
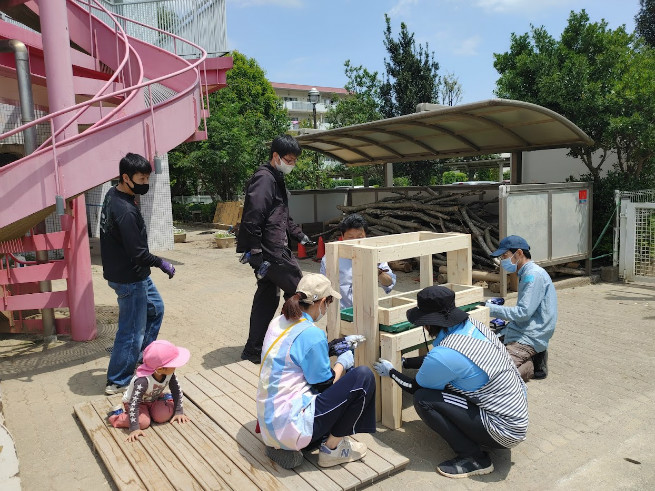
(532,321)
(310,352)
(443,366)
(346,280)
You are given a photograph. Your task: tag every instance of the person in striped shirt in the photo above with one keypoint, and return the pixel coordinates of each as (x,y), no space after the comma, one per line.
(467,389)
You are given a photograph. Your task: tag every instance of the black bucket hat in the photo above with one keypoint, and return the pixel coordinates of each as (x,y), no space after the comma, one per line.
(436,307)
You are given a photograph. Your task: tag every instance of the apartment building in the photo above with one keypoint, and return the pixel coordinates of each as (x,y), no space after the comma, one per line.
(296,102)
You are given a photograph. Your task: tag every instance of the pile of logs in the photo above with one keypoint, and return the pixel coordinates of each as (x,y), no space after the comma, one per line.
(429,211)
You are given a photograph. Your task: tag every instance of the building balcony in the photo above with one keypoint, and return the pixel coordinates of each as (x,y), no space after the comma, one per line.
(305,107)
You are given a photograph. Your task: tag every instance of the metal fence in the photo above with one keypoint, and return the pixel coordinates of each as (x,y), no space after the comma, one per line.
(634,236)
(200,21)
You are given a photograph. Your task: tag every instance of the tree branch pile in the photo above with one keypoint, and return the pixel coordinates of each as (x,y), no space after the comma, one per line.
(431,212)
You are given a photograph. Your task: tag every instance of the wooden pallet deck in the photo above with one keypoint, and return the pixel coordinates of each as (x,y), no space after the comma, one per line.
(219,448)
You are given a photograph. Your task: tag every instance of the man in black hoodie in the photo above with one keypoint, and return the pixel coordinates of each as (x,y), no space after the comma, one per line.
(264,232)
(126,262)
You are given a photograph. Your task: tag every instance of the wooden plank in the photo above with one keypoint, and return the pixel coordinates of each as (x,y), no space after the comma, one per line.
(207,475)
(197,389)
(426,271)
(392,397)
(423,247)
(246,462)
(365,312)
(118,465)
(460,265)
(466,294)
(155,464)
(480,314)
(242,395)
(332,272)
(372,459)
(250,366)
(243,373)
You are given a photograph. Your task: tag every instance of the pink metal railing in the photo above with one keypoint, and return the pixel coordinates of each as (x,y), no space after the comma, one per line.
(131,91)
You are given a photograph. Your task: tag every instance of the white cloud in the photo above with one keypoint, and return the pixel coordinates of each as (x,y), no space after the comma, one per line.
(278,3)
(468,46)
(498,6)
(401,8)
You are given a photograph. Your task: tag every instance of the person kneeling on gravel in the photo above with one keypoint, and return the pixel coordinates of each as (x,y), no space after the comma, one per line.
(303,402)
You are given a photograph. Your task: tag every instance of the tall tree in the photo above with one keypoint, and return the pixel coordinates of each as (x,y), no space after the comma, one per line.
(451,90)
(645,22)
(363,101)
(361,106)
(244,117)
(592,75)
(411,78)
(411,73)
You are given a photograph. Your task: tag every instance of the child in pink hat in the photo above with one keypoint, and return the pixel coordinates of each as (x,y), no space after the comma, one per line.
(144,400)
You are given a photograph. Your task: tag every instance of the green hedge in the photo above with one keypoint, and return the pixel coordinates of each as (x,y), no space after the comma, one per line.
(183,212)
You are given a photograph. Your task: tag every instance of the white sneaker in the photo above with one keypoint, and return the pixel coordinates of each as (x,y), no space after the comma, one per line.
(347,451)
(112,389)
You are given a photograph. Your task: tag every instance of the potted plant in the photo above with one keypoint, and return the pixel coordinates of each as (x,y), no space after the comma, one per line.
(224,239)
(179,235)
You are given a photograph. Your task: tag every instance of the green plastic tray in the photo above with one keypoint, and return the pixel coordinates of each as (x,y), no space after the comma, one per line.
(347,315)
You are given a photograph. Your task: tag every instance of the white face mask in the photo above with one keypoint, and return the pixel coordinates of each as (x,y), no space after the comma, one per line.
(320,314)
(284,167)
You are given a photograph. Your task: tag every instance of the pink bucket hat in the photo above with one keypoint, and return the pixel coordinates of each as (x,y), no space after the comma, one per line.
(162,353)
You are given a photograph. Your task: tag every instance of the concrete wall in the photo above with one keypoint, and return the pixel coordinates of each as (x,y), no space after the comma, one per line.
(546,166)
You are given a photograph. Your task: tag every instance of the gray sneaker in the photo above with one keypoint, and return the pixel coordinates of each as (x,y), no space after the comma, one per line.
(112,389)
(348,450)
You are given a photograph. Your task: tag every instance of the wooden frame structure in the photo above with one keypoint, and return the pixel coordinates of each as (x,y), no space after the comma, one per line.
(368,311)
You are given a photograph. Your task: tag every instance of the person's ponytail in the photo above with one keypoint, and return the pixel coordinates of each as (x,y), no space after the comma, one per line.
(291,309)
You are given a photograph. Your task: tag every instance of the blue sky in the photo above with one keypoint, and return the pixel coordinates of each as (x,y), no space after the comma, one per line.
(307,41)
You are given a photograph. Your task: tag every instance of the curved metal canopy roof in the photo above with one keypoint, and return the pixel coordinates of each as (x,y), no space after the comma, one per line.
(492,126)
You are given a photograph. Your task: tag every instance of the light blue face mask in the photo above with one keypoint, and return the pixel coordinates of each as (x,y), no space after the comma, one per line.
(508,265)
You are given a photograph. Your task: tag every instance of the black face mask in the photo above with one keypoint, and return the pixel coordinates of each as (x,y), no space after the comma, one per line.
(139,188)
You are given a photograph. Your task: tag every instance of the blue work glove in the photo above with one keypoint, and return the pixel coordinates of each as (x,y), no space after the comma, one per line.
(341,345)
(306,241)
(338,346)
(167,268)
(383,367)
(346,359)
(497,301)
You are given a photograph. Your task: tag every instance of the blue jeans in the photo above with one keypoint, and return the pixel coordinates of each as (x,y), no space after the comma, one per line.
(140,312)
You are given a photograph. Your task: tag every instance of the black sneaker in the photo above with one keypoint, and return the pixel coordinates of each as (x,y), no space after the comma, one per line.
(255,358)
(540,361)
(466,466)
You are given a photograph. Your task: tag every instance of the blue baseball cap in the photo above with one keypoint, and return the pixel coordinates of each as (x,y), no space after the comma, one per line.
(511,242)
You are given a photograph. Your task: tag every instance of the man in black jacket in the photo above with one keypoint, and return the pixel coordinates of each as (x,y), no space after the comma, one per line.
(126,262)
(264,232)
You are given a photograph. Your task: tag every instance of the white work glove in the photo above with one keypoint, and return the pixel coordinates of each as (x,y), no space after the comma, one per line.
(383,367)
(354,339)
(346,359)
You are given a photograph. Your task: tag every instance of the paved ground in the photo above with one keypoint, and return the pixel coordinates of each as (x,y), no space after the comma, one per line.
(590,420)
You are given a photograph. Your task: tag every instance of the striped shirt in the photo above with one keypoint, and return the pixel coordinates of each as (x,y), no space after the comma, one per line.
(503,400)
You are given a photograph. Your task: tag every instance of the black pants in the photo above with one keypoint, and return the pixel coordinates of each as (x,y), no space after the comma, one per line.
(456,419)
(347,407)
(284,276)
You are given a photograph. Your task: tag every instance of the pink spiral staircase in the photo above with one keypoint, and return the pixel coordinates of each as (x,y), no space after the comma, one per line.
(107,93)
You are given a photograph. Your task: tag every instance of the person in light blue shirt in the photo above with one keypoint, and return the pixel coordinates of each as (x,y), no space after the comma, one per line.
(532,321)
(467,388)
(355,227)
